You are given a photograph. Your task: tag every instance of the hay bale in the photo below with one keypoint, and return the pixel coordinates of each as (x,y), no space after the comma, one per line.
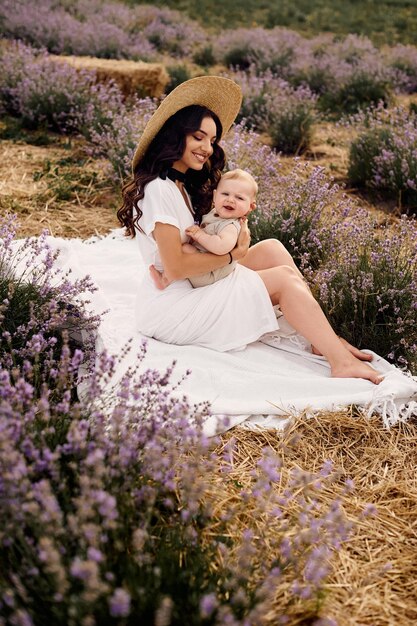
(145,79)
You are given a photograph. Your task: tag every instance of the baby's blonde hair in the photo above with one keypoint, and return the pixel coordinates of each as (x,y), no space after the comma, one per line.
(239,174)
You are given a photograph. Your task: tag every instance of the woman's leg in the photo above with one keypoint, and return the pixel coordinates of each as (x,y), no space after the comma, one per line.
(288,289)
(266,254)
(272,253)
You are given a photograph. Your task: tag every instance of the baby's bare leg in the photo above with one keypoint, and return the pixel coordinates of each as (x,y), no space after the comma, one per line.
(159,278)
(188,248)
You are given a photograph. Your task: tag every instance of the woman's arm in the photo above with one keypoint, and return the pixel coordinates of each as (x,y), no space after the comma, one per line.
(222,243)
(179,265)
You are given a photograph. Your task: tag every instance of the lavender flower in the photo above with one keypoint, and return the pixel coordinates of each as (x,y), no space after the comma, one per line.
(94,29)
(403,61)
(271,50)
(102,29)
(119,603)
(208,605)
(370,292)
(271,104)
(383,155)
(42,92)
(114,134)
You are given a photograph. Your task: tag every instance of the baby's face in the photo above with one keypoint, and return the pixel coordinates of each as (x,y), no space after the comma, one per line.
(233,198)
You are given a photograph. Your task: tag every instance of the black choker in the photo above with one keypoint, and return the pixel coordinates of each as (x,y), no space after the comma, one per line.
(173,175)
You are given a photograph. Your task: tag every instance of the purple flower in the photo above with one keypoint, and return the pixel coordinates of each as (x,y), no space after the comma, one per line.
(327,468)
(94,554)
(208,604)
(370,510)
(119,603)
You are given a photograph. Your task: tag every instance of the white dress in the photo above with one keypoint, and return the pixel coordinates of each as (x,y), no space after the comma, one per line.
(226,315)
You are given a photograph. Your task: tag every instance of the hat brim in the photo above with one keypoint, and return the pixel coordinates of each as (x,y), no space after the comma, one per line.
(221,95)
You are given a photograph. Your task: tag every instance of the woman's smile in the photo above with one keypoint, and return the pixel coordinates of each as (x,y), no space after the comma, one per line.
(202,158)
(198,146)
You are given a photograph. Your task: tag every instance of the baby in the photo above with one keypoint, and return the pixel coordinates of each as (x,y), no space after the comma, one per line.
(233,199)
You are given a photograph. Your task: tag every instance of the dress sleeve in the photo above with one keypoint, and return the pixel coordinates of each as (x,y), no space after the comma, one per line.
(158,205)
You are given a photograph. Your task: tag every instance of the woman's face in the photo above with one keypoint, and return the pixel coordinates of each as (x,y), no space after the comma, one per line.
(198,147)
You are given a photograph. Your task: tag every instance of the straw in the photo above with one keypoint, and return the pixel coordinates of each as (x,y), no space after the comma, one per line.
(375,574)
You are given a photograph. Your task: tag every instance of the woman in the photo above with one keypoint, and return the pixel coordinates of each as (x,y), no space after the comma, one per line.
(177,164)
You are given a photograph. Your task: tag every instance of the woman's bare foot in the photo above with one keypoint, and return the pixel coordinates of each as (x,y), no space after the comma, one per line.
(362,356)
(158,278)
(351,367)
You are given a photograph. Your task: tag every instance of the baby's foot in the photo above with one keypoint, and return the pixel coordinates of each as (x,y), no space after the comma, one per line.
(354,368)
(159,279)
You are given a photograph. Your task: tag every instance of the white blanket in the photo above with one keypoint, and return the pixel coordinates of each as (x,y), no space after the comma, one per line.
(261,385)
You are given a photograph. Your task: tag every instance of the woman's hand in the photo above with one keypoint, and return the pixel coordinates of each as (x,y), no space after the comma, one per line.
(243,241)
(362,356)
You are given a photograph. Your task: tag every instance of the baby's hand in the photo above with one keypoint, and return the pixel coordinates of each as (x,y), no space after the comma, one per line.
(193,231)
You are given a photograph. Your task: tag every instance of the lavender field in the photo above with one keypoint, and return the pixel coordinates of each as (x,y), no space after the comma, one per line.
(140,518)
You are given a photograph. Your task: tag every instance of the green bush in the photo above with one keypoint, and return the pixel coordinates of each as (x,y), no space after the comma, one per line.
(291,128)
(360,90)
(384,154)
(204,57)
(270,104)
(177,74)
(240,57)
(362,153)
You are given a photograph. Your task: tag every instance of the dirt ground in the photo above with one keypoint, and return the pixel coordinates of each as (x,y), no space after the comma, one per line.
(56,187)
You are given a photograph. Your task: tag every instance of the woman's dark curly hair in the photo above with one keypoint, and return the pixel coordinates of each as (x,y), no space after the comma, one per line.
(167,147)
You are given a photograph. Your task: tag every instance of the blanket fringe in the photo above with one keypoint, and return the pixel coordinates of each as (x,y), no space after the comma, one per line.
(392,412)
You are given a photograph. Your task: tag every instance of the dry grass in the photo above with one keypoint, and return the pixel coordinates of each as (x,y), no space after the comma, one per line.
(147,79)
(329,148)
(375,574)
(57,188)
(382,463)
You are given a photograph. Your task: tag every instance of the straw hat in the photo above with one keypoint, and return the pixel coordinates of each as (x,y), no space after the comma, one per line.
(221,95)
